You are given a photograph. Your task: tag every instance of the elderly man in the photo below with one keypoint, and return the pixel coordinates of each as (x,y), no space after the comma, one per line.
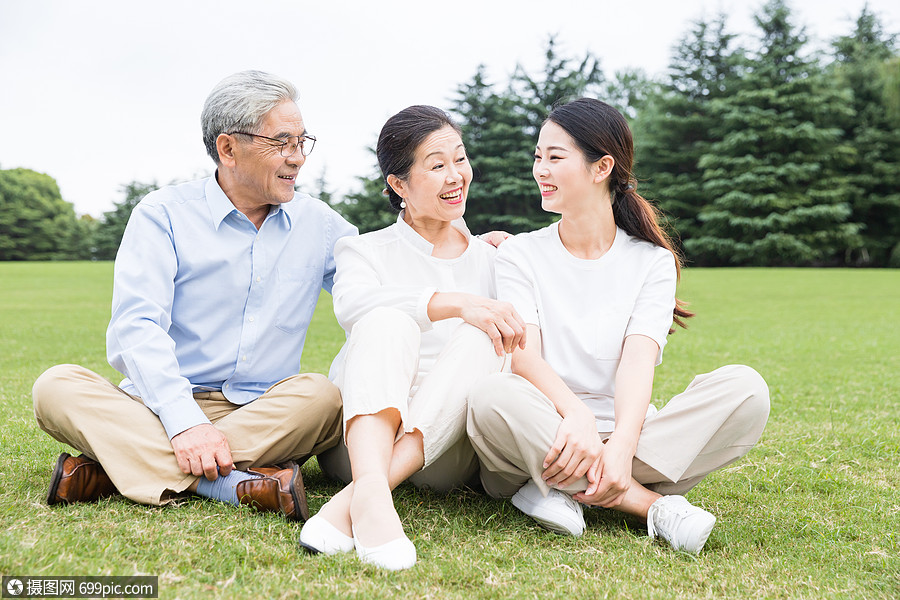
(215,284)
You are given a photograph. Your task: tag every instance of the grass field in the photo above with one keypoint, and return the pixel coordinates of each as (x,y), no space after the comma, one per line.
(812,512)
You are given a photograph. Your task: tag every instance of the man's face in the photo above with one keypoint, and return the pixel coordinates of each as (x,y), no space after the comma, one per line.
(266,175)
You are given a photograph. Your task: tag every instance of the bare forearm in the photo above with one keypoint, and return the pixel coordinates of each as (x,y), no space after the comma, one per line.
(634,386)
(540,374)
(447,305)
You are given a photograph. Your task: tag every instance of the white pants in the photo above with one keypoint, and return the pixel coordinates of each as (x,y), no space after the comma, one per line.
(714,422)
(380,371)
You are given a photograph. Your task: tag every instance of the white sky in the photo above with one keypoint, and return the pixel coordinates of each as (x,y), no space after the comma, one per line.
(97,93)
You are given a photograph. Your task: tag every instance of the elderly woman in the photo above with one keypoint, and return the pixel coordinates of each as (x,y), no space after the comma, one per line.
(416,301)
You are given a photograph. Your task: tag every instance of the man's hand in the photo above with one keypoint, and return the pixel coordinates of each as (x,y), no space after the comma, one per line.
(494,238)
(203,450)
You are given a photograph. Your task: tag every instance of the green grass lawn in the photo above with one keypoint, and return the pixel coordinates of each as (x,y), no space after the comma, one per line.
(812,512)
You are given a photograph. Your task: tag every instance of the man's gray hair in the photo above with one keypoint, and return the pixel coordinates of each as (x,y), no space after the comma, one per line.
(239,102)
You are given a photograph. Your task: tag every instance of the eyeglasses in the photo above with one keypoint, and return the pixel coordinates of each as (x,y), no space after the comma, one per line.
(287,146)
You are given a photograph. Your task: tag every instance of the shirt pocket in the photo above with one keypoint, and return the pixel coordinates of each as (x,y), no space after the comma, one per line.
(609,332)
(297,292)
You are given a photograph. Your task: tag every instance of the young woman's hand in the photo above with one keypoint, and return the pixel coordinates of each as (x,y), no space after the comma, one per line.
(497,319)
(576,449)
(609,477)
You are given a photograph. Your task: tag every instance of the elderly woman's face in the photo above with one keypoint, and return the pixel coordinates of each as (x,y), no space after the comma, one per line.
(438,181)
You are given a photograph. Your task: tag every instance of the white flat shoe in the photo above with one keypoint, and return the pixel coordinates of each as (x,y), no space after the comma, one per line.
(318,536)
(394,555)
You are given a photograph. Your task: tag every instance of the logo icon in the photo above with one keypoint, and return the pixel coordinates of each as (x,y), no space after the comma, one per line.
(14,587)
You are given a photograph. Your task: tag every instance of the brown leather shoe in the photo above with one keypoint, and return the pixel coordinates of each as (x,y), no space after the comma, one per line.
(279,490)
(78,479)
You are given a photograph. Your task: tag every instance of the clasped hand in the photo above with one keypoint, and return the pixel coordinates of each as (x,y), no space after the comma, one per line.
(609,478)
(497,319)
(576,449)
(203,450)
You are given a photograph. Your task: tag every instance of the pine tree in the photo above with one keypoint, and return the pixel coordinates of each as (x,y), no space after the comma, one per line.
(367,208)
(773,177)
(500,148)
(108,232)
(675,126)
(500,131)
(862,63)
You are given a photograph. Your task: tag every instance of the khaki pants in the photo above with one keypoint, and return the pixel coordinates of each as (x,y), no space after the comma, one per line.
(294,419)
(381,371)
(714,422)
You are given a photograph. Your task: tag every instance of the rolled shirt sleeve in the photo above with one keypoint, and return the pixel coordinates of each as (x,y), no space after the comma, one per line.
(359,287)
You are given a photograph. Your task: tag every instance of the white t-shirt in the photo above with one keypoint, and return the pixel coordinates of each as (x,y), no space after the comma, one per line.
(586,308)
(393,267)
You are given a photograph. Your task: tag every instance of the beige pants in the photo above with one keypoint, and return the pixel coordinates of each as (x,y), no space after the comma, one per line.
(380,371)
(714,422)
(294,419)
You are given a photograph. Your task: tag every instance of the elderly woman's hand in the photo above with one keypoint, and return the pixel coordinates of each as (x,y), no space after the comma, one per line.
(497,319)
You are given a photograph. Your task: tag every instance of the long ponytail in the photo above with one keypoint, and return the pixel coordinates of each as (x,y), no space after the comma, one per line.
(641,219)
(601,130)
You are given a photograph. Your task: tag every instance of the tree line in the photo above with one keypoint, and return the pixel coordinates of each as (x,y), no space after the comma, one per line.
(770,154)
(765,155)
(37,224)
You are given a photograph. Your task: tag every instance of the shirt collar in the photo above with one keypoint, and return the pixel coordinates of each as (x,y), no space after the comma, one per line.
(220,206)
(411,235)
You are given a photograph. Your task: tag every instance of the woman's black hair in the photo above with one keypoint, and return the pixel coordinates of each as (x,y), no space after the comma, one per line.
(400,138)
(600,130)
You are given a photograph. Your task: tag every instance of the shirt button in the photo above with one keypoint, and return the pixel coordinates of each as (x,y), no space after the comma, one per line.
(227,386)
(258,279)
(244,357)
(251,319)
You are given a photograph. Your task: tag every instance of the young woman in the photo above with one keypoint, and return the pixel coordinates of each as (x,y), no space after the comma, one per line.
(573,424)
(416,301)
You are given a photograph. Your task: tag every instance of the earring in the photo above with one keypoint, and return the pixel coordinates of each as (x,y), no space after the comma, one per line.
(403,204)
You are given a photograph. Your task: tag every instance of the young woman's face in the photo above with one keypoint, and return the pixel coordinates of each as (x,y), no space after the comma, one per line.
(563,176)
(439,179)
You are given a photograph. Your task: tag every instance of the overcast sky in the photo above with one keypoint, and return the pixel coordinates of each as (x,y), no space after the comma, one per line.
(97,93)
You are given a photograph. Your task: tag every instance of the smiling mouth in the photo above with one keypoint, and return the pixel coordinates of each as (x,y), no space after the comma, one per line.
(546,187)
(453,196)
(287,177)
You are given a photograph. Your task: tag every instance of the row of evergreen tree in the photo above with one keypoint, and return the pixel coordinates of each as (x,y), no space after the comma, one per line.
(772,155)
(37,224)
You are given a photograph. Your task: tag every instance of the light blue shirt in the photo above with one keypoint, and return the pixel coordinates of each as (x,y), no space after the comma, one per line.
(203,301)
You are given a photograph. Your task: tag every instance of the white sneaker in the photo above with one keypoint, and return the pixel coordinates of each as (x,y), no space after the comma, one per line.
(685,526)
(557,511)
